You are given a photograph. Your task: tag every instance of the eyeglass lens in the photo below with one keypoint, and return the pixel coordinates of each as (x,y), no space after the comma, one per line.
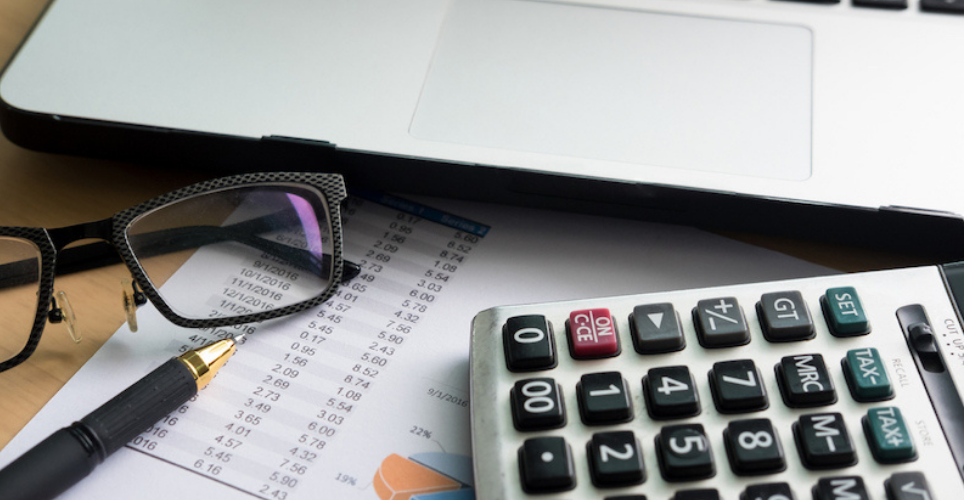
(19,292)
(277,233)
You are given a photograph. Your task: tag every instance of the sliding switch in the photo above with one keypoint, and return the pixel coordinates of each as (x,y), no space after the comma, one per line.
(924,343)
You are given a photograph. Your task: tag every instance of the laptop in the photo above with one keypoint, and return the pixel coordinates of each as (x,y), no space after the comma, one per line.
(837,121)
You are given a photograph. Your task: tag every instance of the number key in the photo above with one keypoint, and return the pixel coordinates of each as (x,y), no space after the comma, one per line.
(684,453)
(537,404)
(615,459)
(604,398)
(768,491)
(529,344)
(753,447)
(737,387)
(671,393)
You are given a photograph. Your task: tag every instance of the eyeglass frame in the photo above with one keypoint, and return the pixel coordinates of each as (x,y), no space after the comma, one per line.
(113,231)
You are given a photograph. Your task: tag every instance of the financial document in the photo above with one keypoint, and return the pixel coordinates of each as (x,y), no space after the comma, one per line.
(366,396)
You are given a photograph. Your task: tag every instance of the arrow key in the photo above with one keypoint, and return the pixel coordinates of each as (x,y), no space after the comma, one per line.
(656,329)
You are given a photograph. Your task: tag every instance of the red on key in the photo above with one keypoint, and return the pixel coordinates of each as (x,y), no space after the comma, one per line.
(592,334)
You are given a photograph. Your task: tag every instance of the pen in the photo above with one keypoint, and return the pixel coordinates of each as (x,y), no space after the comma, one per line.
(71,453)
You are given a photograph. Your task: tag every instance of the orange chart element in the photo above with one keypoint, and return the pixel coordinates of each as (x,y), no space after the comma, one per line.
(399,479)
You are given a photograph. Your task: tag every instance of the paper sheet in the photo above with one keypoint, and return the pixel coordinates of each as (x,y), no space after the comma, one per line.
(352,399)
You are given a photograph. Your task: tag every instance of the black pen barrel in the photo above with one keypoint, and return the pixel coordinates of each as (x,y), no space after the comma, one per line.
(143,404)
(70,454)
(49,468)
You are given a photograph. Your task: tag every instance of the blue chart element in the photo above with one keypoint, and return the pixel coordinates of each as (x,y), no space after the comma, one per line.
(457,467)
(463,494)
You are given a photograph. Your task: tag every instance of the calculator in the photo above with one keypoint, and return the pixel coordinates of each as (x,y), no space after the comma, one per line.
(841,387)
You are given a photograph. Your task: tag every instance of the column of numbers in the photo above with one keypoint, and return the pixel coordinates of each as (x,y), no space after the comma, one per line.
(301,383)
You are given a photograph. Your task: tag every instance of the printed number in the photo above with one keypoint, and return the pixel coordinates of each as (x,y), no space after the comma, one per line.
(753,440)
(605,452)
(686,444)
(611,391)
(671,385)
(749,381)
(529,335)
(538,400)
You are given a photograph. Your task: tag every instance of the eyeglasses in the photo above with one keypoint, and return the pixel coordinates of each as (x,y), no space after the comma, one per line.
(287,224)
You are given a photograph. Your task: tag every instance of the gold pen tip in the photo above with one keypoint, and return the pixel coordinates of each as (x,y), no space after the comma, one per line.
(205,361)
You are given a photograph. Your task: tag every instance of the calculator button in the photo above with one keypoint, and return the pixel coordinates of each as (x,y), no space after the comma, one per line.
(768,491)
(844,313)
(604,398)
(670,393)
(546,465)
(737,387)
(720,323)
(704,494)
(888,437)
(684,453)
(882,4)
(785,317)
(945,6)
(823,441)
(537,404)
(615,459)
(592,334)
(908,486)
(656,329)
(804,381)
(866,375)
(840,488)
(529,343)
(753,447)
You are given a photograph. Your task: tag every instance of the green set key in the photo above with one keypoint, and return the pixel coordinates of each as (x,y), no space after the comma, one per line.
(845,315)
(888,437)
(866,375)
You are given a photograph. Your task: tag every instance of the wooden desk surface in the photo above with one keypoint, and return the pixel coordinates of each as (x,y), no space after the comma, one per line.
(38,189)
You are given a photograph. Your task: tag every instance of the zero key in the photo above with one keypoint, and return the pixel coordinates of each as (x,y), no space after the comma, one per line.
(528,343)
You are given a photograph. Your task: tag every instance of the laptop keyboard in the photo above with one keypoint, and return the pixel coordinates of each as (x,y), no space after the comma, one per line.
(939,6)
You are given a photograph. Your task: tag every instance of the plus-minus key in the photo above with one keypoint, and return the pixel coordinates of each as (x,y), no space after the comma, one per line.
(592,334)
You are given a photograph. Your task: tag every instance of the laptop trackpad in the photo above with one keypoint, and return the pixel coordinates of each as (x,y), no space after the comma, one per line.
(628,86)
